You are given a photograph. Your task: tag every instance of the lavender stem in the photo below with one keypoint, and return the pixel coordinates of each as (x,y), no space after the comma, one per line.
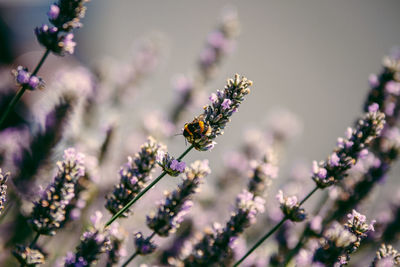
(22,90)
(276,227)
(127,206)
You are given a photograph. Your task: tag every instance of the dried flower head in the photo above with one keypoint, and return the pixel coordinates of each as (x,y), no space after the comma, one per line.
(202,131)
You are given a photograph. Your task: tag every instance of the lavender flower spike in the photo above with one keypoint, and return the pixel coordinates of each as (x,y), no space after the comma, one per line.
(3,189)
(94,242)
(386,256)
(49,211)
(177,203)
(133,176)
(341,241)
(214,248)
(206,127)
(331,171)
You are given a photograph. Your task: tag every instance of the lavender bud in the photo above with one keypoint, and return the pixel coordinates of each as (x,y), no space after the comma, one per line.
(22,75)
(331,171)
(202,131)
(169,164)
(48,37)
(49,211)
(3,189)
(28,256)
(93,243)
(291,207)
(177,203)
(386,256)
(143,245)
(133,176)
(67,44)
(53,12)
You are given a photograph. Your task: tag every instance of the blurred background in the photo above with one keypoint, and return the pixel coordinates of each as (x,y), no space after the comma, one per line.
(311,58)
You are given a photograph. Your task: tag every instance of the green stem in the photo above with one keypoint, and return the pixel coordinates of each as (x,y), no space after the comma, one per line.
(22,90)
(136,252)
(34,240)
(141,193)
(259,242)
(276,227)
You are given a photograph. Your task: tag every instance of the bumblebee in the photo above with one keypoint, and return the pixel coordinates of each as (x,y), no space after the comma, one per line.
(196,129)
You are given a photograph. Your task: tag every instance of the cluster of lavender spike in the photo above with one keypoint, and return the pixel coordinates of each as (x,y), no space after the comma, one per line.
(133,176)
(173,207)
(94,242)
(214,248)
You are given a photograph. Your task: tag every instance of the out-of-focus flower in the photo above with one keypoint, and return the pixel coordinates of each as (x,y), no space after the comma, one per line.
(291,207)
(49,211)
(3,189)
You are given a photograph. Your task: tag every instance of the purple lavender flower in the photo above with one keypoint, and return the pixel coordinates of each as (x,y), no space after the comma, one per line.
(386,256)
(169,164)
(177,203)
(117,249)
(133,176)
(329,172)
(53,12)
(341,241)
(144,245)
(26,79)
(94,242)
(214,247)
(262,174)
(65,16)
(216,115)
(29,256)
(3,189)
(291,207)
(49,211)
(67,44)
(219,44)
